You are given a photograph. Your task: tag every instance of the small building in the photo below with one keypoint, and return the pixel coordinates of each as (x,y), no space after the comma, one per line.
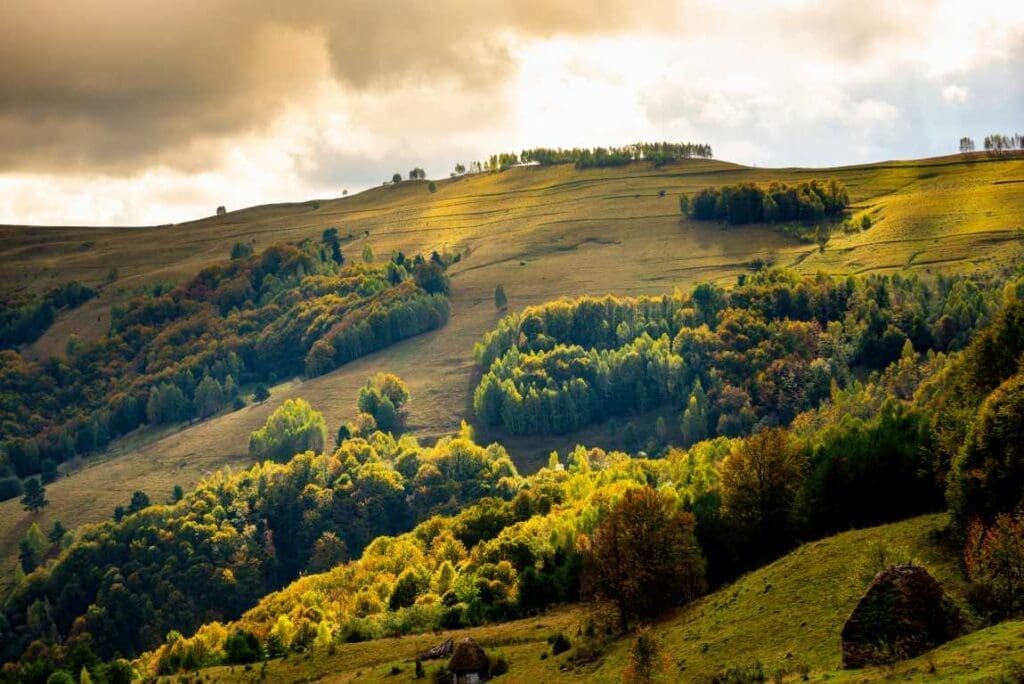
(469,663)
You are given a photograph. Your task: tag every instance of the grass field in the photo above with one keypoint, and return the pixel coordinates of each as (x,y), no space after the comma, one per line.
(541,232)
(786,616)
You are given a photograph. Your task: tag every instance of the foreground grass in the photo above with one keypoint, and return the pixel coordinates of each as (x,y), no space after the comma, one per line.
(542,233)
(786,616)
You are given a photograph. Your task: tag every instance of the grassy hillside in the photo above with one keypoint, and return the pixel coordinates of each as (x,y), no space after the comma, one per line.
(541,232)
(787,616)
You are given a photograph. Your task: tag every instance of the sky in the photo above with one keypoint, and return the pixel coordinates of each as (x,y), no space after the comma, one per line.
(129,112)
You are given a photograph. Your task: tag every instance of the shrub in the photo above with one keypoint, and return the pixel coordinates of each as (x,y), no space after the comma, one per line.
(10,487)
(559,643)
(292,429)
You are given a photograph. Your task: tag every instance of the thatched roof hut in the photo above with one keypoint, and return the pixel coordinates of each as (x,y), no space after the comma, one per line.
(469,663)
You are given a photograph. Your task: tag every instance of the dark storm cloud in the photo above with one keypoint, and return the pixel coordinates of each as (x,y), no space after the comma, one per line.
(115,86)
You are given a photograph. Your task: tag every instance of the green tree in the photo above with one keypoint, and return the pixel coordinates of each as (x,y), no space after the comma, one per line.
(57,532)
(643,556)
(500,300)
(293,428)
(241,250)
(209,397)
(987,476)
(367,254)
(432,186)
(397,178)
(333,241)
(383,397)
(35,495)
(684,204)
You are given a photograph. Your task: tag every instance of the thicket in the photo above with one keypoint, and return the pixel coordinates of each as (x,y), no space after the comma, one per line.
(728,361)
(184,353)
(24,318)
(809,201)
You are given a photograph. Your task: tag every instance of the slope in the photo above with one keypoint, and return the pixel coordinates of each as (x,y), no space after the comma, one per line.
(541,232)
(786,616)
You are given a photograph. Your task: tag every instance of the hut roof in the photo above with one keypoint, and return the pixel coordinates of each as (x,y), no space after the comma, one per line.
(468,657)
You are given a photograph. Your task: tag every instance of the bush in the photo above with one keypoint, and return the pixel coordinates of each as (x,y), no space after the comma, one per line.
(10,488)
(499,664)
(241,647)
(559,643)
(292,429)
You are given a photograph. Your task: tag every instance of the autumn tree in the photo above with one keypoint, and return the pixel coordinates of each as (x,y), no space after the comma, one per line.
(644,657)
(643,556)
(760,480)
(994,559)
(293,428)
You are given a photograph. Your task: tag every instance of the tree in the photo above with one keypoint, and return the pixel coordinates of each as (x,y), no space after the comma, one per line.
(177,494)
(966,145)
(994,559)
(57,532)
(987,477)
(760,480)
(643,658)
(500,300)
(138,501)
(383,397)
(328,551)
(684,204)
(209,397)
(397,178)
(261,393)
(33,548)
(460,168)
(292,429)
(432,186)
(643,556)
(241,250)
(35,495)
(331,239)
(367,254)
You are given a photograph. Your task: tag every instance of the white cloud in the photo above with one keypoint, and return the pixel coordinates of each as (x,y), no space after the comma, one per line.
(954,93)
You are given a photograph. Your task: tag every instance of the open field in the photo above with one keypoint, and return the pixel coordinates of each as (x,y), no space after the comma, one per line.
(541,232)
(786,616)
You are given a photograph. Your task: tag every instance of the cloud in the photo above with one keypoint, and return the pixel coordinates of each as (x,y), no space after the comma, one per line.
(131,112)
(954,93)
(117,86)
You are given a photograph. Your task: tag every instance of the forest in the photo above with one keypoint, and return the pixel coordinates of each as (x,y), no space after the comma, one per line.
(658,153)
(452,536)
(727,362)
(742,203)
(187,353)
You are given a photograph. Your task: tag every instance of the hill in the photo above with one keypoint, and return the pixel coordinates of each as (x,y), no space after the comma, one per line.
(787,616)
(541,232)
